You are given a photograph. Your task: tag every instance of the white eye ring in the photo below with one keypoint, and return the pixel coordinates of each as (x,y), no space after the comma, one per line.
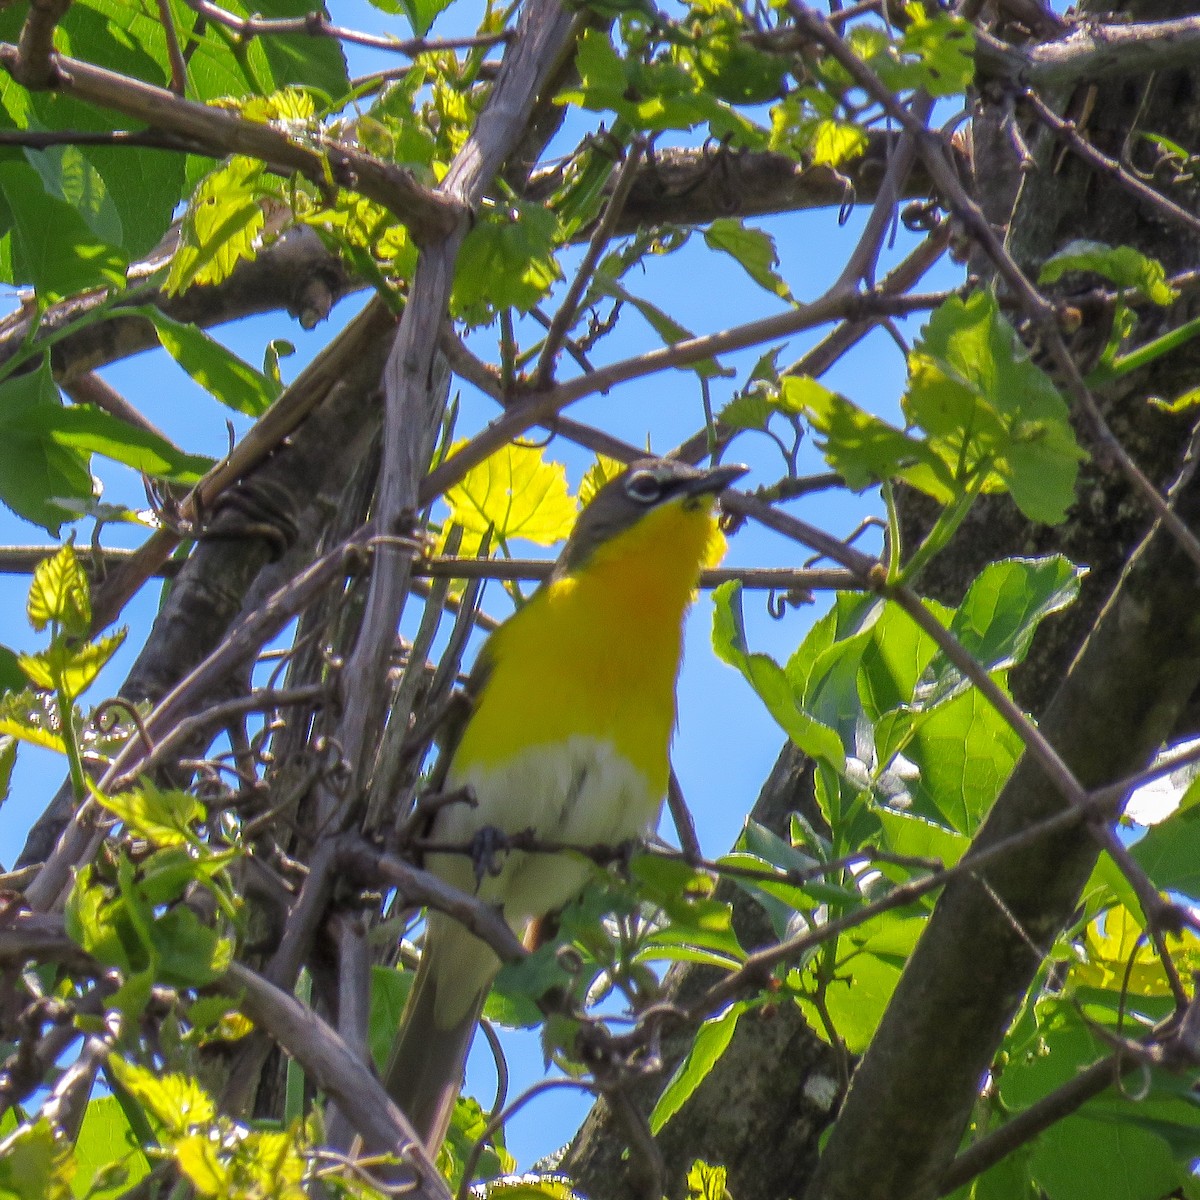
(644,487)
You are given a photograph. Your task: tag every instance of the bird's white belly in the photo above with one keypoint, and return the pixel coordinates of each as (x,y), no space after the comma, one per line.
(582,792)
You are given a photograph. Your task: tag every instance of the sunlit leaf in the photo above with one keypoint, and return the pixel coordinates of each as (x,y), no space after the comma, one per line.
(221,226)
(176,1101)
(603,470)
(992,415)
(232,381)
(711,1041)
(162,817)
(514,493)
(752,249)
(60,593)
(768,680)
(1120,265)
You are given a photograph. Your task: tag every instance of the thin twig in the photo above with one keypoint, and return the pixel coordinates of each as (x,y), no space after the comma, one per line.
(1069,135)
(681,815)
(316,24)
(179,75)
(564,318)
(542,407)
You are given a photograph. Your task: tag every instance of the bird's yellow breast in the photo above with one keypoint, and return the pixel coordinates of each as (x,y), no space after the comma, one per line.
(596,653)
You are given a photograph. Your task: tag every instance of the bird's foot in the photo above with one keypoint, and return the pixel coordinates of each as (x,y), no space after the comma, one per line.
(486,847)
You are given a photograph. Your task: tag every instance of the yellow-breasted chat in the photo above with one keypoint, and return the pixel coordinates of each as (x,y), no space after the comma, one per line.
(572,706)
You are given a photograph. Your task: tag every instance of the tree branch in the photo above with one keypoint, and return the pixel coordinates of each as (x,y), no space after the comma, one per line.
(428,214)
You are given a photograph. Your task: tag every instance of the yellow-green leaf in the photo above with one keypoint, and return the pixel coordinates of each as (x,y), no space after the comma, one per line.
(603,470)
(175,1101)
(35,735)
(162,817)
(35,1165)
(198,1160)
(530,1187)
(221,226)
(835,142)
(68,667)
(705,1182)
(59,592)
(515,493)
(1117,937)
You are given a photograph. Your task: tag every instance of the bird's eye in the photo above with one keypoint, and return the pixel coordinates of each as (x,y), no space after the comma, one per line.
(643,486)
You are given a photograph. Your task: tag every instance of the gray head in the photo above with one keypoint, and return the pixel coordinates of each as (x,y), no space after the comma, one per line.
(644,485)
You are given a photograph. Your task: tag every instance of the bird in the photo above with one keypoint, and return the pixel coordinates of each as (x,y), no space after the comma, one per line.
(571,709)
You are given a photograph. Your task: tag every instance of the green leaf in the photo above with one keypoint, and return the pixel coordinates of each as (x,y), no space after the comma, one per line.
(668,93)
(730,67)
(221,226)
(91,430)
(806,127)
(1007,602)
(1082,1159)
(1170,853)
(752,249)
(780,898)
(747,410)
(300,60)
(389,993)
(35,1164)
(684,895)
(992,415)
(914,837)
(67,173)
(966,751)
(52,246)
(234,382)
(162,817)
(768,680)
(276,350)
(107,1153)
(422,13)
(35,471)
(12,678)
(894,657)
(870,960)
(866,451)
(60,593)
(506,261)
(190,953)
(1120,265)
(711,1041)
(936,53)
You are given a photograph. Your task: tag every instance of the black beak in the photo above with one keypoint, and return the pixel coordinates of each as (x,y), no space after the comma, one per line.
(715,479)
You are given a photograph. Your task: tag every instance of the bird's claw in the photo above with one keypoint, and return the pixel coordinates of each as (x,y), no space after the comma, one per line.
(486,847)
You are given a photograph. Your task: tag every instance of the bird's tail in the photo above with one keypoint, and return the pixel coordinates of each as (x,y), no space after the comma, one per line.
(425,1072)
